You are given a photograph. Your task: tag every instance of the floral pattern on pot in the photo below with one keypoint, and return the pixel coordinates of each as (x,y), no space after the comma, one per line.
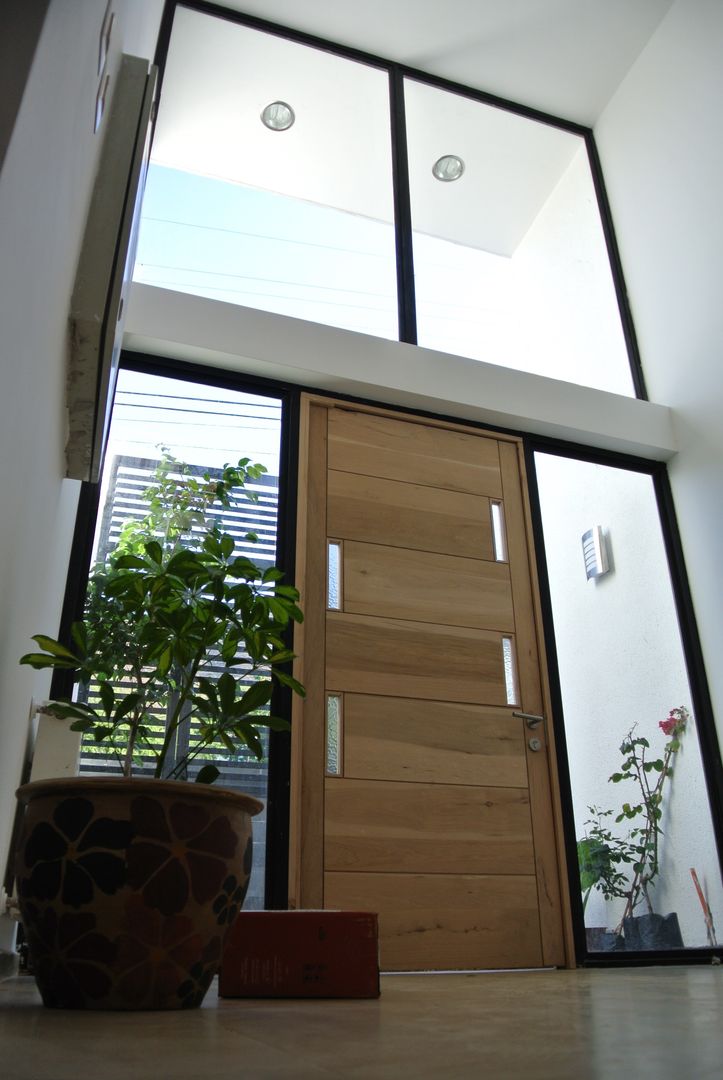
(127,888)
(75,853)
(72,961)
(159,951)
(229,901)
(178,851)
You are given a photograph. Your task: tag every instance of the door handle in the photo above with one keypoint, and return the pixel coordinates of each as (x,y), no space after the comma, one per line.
(531,719)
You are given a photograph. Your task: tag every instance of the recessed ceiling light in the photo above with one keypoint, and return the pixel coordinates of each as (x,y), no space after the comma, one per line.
(278,116)
(449,167)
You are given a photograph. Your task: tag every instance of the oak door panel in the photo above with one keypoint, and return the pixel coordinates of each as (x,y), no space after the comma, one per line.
(427,587)
(432,742)
(409,828)
(435,811)
(403,515)
(445,921)
(408,659)
(361,442)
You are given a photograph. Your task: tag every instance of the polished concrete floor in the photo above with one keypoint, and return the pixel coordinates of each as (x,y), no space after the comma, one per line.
(631,1024)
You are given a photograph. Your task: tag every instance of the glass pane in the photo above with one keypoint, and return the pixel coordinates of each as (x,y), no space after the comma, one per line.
(334,576)
(498,532)
(205,427)
(623,680)
(510,260)
(333,735)
(296,221)
(508,659)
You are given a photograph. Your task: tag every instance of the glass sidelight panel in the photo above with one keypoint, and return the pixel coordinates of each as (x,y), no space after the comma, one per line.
(649,872)
(510,260)
(205,426)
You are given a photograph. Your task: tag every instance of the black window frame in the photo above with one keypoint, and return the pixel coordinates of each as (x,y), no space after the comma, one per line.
(710,749)
(397,73)
(279,778)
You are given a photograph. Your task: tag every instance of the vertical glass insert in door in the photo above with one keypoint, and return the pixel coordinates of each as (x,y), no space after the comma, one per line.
(205,427)
(649,872)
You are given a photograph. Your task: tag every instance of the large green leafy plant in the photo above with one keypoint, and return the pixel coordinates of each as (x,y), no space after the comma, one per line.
(169,607)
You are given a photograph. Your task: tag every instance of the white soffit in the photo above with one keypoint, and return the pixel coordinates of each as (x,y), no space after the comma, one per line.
(168,323)
(220,75)
(564,57)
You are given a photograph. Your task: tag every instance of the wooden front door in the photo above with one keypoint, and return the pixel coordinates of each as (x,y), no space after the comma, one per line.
(418,793)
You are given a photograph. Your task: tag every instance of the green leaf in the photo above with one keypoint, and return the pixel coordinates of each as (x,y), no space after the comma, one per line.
(81,725)
(130,562)
(207,775)
(105,692)
(52,646)
(154,551)
(164,661)
(42,660)
(288,680)
(276,723)
(125,705)
(257,695)
(227,691)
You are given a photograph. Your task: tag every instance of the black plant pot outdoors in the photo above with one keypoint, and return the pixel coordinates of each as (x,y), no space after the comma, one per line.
(599,939)
(645,933)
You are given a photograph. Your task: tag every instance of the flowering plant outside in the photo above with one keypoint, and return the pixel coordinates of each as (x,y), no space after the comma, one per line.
(640,849)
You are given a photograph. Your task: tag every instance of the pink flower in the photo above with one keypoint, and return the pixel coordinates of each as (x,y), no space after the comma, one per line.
(675,723)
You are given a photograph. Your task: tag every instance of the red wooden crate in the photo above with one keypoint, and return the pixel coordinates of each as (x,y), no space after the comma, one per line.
(301,954)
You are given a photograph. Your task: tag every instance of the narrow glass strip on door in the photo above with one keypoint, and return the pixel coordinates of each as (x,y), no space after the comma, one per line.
(333,598)
(508,660)
(334,735)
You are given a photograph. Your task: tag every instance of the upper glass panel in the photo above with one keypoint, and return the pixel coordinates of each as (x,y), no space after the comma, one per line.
(296,221)
(510,259)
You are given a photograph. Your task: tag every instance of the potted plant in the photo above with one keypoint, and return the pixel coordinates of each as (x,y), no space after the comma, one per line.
(128,885)
(601,856)
(649,776)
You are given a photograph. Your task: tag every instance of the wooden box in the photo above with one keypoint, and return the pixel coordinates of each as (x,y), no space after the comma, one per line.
(301,954)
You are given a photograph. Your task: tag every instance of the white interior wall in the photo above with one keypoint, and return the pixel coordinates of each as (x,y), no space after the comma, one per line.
(45,187)
(621,664)
(661,146)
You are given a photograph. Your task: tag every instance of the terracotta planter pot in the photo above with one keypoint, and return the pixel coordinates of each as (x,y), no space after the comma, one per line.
(127,888)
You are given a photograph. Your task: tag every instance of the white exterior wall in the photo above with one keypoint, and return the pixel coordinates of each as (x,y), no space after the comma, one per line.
(45,187)
(564,317)
(661,144)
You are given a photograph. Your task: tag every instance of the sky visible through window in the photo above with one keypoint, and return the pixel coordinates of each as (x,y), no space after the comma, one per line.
(255,248)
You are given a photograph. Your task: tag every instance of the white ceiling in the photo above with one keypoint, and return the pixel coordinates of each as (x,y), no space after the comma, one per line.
(566,57)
